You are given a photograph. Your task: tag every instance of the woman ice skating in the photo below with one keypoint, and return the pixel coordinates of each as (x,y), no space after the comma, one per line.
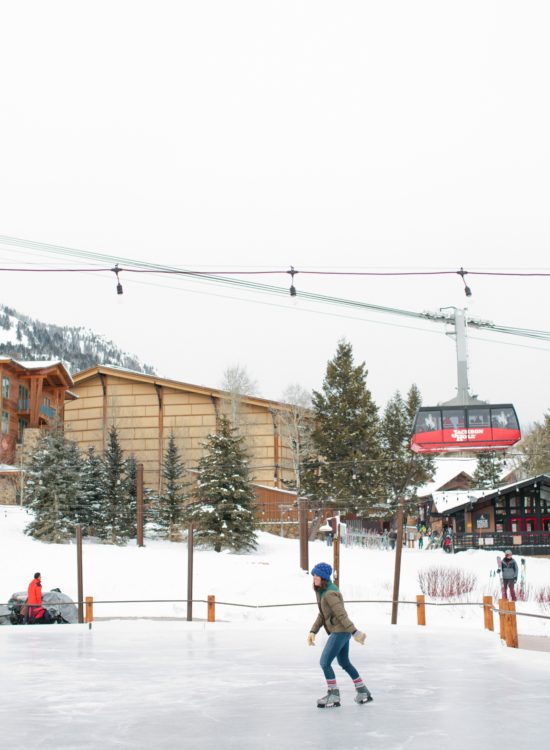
(333,617)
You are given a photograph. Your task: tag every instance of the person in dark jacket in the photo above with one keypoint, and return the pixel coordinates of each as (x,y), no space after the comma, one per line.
(509,571)
(334,618)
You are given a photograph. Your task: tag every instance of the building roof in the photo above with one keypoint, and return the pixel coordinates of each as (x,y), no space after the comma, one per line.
(126,374)
(474,496)
(447,500)
(48,367)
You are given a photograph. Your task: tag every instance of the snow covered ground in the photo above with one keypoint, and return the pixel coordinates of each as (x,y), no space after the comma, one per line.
(249,680)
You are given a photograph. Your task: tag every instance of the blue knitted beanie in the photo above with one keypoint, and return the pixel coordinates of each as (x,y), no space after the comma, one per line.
(323,570)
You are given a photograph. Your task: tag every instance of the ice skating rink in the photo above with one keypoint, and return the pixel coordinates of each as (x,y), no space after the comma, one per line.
(178,685)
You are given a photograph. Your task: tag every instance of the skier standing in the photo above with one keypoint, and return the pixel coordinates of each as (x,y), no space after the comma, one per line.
(509,570)
(333,617)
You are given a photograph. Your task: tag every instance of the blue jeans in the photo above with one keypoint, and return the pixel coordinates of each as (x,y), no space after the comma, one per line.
(337,647)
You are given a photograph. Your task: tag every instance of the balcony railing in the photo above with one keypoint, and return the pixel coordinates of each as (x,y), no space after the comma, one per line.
(48,411)
(502,540)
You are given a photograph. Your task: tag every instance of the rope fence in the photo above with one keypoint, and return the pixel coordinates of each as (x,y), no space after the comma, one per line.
(506,610)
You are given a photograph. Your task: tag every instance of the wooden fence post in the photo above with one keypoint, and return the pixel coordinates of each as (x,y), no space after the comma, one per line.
(511,626)
(336,556)
(89,609)
(211,608)
(421,609)
(488,612)
(502,618)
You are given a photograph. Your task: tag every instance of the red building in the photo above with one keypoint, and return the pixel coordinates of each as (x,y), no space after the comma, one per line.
(32,396)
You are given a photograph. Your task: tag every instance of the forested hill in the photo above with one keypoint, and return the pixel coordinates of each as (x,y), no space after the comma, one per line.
(78,348)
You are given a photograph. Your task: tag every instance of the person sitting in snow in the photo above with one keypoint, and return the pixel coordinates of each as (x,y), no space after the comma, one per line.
(333,617)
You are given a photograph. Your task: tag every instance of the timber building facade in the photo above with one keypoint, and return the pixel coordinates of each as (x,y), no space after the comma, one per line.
(146,409)
(33,396)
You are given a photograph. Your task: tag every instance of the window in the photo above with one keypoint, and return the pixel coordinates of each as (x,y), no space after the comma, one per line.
(5,422)
(479,418)
(453,419)
(21,425)
(505,419)
(5,387)
(23,398)
(429,421)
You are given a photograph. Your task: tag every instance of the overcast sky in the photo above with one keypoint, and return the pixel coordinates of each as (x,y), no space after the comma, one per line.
(222,134)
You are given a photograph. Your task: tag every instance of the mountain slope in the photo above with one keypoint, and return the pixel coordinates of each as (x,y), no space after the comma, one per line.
(23,338)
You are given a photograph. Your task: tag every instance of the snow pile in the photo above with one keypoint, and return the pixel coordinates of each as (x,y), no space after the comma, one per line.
(270,575)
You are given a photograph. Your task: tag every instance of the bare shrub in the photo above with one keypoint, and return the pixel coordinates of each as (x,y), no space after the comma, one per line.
(543,597)
(524,594)
(440,582)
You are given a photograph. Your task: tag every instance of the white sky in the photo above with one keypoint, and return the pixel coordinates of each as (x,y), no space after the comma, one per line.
(215,134)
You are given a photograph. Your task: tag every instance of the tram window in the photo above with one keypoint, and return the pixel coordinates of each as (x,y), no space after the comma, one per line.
(479,418)
(429,421)
(453,418)
(504,418)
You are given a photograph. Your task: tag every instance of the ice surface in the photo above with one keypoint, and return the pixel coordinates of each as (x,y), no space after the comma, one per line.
(196,685)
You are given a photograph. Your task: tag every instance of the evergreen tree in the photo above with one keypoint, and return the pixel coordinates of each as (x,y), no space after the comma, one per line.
(130,486)
(92,494)
(170,510)
(489,469)
(535,449)
(223,512)
(115,525)
(52,488)
(403,471)
(346,437)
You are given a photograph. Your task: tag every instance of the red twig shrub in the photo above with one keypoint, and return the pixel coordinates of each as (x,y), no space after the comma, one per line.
(543,597)
(439,582)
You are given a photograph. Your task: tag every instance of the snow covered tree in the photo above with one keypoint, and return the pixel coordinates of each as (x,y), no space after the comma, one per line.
(130,486)
(170,504)
(92,494)
(346,437)
(535,449)
(52,488)
(489,469)
(223,511)
(115,521)
(403,471)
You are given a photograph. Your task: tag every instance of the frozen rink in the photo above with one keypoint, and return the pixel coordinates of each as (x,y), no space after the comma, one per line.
(178,685)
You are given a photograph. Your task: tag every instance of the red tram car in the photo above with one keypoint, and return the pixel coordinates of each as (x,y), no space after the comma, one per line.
(479,427)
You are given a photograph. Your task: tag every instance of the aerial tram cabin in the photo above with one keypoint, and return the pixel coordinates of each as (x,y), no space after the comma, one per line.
(474,427)
(464,424)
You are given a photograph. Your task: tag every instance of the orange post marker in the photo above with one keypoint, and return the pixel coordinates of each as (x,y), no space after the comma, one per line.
(421,609)
(89,609)
(211,608)
(488,612)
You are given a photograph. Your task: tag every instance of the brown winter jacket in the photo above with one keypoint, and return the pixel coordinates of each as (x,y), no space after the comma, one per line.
(332,612)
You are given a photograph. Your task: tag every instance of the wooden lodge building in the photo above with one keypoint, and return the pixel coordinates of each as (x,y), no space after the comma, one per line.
(515,516)
(33,395)
(146,409)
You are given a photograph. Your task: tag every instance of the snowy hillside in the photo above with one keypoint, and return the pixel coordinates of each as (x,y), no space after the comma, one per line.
(271,575)
(78,348)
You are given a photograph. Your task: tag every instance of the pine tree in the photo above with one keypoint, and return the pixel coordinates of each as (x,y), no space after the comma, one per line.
(404,471)
(346,437)
(115,526)
(489,469)
(52,488)
(130,487)
(223,512)
(170,510)
(92,494)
